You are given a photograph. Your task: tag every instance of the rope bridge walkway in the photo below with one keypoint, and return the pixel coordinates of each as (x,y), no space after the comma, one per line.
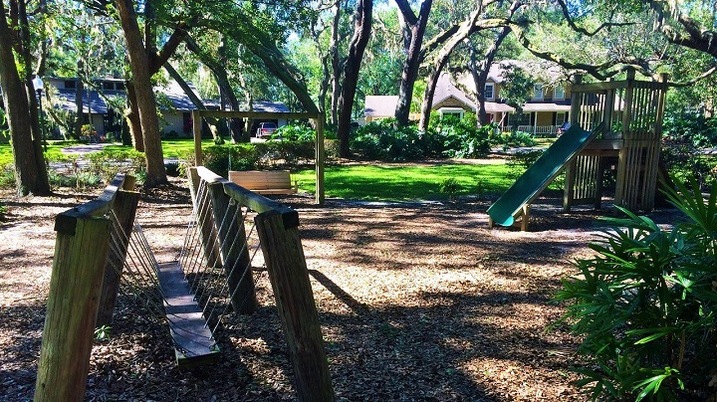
(101,253)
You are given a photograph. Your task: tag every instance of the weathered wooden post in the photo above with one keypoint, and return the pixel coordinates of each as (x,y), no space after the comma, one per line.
(197,132)
(229,224)
(124,208)
(204,220)
(320,159)
(286,263)
(77,273)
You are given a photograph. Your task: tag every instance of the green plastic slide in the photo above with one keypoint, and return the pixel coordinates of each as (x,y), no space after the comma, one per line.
(539,175)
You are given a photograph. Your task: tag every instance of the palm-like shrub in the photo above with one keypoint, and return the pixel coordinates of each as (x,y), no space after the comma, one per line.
(645,305)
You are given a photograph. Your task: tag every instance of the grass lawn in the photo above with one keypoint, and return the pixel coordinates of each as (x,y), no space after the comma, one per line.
(174,148)
(407,182)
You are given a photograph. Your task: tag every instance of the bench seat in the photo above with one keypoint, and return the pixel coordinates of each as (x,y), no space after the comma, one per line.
(265,181)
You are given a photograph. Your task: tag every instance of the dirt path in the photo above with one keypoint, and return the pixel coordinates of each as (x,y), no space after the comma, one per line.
(419,303)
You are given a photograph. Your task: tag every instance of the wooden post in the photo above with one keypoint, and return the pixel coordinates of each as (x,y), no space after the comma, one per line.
(320,157)
(569,185)
(124,208)
(575,102)
(229,224)
(77,273)
(204,220)
(289,277)
(197,131)
(623,170)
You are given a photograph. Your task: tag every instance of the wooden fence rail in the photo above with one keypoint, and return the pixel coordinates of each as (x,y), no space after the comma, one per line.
(78,269)
(277,227)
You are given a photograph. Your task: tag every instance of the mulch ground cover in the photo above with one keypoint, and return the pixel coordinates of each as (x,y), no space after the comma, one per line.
(417,302)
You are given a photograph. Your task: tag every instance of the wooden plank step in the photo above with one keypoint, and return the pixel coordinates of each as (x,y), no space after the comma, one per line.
(193,342)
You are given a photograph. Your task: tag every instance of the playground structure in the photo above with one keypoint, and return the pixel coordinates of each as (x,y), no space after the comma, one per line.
(614,125)
(101,252)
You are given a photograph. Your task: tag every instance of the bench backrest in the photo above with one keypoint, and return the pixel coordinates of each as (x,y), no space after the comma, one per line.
(261,179)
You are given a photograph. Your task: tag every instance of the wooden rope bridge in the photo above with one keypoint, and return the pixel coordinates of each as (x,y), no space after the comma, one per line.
(100,252)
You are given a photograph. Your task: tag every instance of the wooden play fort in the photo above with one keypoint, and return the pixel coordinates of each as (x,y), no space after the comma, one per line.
(615,126)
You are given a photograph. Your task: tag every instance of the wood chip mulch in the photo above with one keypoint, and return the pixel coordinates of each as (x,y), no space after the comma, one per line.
(418,302)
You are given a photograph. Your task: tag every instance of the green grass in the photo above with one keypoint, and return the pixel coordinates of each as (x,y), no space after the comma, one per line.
(174,148)
(410,182)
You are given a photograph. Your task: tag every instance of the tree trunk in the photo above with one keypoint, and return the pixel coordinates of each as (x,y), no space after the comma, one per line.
(144,95)
(409,74)
(132,116)
(480,72)
(362,32)
(335,63)
(78,99)
(28,178)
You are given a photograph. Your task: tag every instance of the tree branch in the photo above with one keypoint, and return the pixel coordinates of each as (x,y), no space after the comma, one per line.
(571,22)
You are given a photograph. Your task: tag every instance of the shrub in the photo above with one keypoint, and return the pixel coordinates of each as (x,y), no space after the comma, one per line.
(462,138)
(383,141)
(107,163)
(266,155)
(7,176)
(513,139)
(294,132)
(645,305)
(450,187)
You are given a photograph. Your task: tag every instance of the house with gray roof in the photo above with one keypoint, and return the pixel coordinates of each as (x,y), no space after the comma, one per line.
(546,111)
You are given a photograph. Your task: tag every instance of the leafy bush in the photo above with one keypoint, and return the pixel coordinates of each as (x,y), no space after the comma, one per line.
(107,163)
(450,187)
(514,139)
(7,176)
(462,138)
(700,131)
(266,155)
(294,132)
(382,140)
(645,305)
(684,136)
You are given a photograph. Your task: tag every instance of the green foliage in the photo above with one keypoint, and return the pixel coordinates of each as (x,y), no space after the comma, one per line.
(108,162)
(645,305)
(383,141)
(103,333)
(684,137)
(513,139)
(462,138)
(266,155)
(517,87)
(447,136)
(294,132)
(7,176)
(450,187)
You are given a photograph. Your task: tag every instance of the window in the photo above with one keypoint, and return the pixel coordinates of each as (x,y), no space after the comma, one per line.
(559,92)
(451,112)
(489,91)
(538,91)
(108,85)
(523,119)
(560,118)
(70,84)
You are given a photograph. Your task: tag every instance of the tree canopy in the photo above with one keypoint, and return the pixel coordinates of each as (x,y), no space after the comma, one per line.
(326,56)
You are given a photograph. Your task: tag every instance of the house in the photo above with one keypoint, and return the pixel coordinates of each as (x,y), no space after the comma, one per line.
(548,108)
(546,111)
(104,103)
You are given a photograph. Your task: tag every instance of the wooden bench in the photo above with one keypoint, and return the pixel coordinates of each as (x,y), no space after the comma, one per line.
(265,181)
